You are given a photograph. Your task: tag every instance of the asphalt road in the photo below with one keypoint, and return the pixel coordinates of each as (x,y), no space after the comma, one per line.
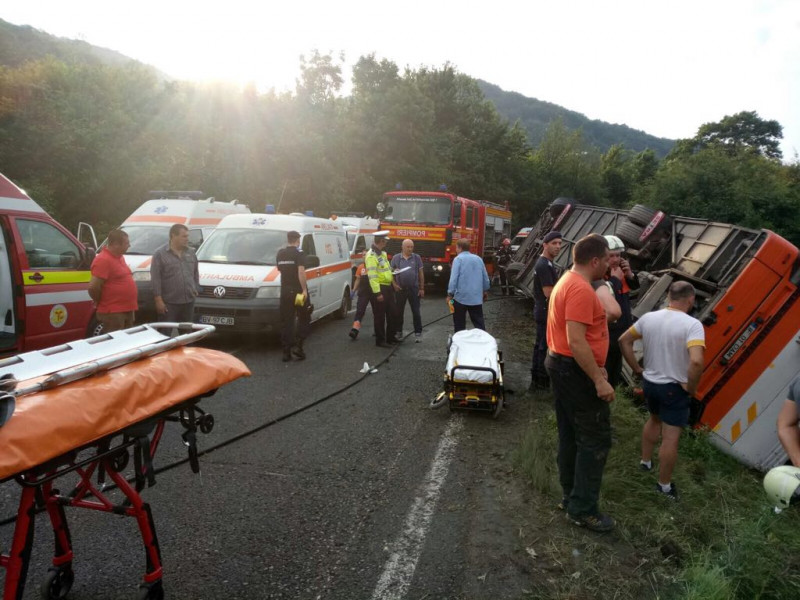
(368,494)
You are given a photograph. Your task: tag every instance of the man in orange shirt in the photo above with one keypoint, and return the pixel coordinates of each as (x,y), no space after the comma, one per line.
(112,286)
(577,345)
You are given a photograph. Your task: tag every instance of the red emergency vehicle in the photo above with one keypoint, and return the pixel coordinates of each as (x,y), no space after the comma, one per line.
(44,277)
(435,221)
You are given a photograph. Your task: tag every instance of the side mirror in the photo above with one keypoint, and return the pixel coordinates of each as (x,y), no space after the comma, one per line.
(312,262)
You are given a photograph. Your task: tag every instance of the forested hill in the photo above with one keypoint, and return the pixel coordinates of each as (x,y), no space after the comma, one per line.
(535,116)
(22,43)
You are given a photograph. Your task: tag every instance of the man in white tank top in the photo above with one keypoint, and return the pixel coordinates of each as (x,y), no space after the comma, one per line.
(673,345)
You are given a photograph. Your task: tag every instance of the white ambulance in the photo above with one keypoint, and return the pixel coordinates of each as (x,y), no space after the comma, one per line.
(148,230)
(516,242)
(240,282)
(360,232)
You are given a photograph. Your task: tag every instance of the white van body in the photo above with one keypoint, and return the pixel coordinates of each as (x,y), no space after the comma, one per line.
(360,235)
(240,282)
(148,230)
(517,240)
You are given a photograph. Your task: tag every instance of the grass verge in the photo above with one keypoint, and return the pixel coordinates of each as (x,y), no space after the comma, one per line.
(722,540)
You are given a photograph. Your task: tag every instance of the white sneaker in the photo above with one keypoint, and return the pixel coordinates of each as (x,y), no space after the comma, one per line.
(418,338)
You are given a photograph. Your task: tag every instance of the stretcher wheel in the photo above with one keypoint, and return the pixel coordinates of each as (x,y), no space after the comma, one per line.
(498,408)
(58,582)
(206,423)
(120,461)
(151,591)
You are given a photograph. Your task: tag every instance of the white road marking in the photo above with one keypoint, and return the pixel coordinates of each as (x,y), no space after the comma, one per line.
(399,569)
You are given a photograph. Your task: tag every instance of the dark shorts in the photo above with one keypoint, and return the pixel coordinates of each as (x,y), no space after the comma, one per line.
(668,401)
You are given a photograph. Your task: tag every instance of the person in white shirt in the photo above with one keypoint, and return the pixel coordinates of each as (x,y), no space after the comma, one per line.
(674,344)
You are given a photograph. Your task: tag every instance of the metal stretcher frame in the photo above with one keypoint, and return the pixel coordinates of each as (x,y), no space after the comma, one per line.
(108,456)
(464,394)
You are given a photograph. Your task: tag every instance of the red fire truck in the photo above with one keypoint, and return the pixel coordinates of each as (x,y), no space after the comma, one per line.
(435,221)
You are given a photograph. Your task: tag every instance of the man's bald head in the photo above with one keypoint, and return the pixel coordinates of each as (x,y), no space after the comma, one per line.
(408,247)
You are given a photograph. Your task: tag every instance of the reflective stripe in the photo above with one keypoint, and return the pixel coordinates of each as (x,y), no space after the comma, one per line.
(155,219)
(752,413)
(56,298)
(20,204)
(736,431)
(51,277)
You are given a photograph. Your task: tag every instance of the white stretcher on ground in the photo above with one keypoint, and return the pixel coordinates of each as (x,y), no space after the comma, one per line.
(473,378)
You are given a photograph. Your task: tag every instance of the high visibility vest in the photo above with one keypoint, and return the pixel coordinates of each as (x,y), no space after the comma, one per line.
(379,270)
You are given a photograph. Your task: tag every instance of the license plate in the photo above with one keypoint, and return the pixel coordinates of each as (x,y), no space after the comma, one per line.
(215,320)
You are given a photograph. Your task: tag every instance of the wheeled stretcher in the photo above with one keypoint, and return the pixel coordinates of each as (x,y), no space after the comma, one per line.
(473,378)
(89,417)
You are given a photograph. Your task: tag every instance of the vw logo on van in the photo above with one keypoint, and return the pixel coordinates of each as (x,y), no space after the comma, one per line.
(219,291)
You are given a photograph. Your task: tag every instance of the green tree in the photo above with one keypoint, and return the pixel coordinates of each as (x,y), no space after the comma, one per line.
(734,133)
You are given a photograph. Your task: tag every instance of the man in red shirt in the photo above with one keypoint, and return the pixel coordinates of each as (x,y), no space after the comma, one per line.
(577,341)
(112,286)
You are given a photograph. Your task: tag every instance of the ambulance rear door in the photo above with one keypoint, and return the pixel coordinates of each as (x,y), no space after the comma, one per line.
(55,276)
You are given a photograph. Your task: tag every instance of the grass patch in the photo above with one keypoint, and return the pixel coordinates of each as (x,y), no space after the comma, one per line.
(720,541)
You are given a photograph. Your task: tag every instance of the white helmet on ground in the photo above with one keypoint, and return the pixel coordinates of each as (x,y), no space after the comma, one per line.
(614,243)
(782,485)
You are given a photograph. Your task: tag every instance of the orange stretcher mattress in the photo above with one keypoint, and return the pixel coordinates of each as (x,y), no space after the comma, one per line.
(49,424)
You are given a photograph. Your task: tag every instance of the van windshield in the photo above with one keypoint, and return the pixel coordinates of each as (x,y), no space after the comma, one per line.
(242,246)
(145,239)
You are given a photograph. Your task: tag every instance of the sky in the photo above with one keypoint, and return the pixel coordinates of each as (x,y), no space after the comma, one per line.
(661,67)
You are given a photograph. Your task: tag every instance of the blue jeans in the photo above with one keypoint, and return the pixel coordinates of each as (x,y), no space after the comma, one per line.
(412,295)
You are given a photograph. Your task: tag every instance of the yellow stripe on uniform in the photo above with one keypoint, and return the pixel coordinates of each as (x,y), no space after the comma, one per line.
(51,277)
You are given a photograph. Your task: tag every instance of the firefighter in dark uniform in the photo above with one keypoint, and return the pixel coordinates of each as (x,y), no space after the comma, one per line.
(503,257)
(545,275)
(292,265)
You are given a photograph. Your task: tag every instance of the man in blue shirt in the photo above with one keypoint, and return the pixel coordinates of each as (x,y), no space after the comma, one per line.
(468,287)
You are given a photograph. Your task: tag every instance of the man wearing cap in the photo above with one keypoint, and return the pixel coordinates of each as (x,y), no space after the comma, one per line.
(622,280)
(379,273)
(292,266)
(545,275)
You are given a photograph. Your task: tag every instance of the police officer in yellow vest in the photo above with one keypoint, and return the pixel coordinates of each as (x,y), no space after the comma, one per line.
(379,273)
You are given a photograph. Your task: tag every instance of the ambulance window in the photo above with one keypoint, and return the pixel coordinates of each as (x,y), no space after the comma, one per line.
(308,245)
(195,238)
(361,244)
(47,247)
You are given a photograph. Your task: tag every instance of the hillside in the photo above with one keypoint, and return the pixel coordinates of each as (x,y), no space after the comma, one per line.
(22,43)
(536,115)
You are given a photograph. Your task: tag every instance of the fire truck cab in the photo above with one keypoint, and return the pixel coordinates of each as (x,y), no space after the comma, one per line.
(44,277)
(435,221)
